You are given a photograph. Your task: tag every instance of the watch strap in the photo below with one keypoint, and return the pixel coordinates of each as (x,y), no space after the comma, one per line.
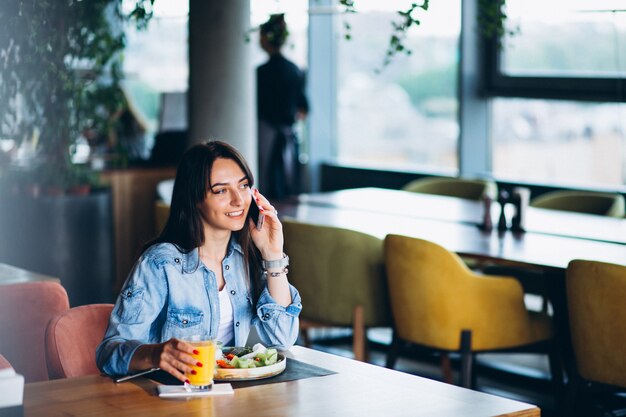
(278,263)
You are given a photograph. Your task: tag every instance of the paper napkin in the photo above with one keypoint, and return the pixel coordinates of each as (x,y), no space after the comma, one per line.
(170,391)
(11,388)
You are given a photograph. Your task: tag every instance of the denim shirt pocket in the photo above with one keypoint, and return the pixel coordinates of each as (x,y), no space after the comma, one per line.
(184,322)
(131,305)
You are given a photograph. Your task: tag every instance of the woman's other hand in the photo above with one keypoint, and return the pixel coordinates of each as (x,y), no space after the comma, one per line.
(269,240)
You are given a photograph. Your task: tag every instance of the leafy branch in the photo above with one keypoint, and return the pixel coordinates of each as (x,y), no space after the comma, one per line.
(407,19)
(492,18)
(400,29)
(348,6)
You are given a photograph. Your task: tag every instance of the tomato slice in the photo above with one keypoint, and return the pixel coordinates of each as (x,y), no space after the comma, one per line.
(223,364)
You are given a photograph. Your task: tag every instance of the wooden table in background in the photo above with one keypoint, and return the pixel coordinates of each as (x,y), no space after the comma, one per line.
(358,389)
(458,210)
(546,251)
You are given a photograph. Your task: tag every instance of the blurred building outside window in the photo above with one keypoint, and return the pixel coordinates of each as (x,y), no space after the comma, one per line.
(565,142)
(405,115)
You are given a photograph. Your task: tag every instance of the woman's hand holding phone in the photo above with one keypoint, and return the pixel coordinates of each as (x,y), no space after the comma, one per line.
(269,240)
(266,231)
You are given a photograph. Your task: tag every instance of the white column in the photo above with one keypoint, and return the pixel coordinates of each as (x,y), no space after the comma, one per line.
(222,102)
(321,86)
(475,142)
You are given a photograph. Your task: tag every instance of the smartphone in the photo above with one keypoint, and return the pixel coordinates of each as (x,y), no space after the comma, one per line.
(255,214)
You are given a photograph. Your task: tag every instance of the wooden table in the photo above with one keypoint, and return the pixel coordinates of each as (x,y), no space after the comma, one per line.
(526,249)
(458,210)
(358,389)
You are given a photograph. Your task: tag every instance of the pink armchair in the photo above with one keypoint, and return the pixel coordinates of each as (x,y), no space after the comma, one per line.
(25,310)
(72,338)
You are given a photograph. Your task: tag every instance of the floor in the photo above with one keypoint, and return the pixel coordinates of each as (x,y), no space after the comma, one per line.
(522,377)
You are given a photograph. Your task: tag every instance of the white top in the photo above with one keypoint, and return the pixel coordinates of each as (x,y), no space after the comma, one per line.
(225,333)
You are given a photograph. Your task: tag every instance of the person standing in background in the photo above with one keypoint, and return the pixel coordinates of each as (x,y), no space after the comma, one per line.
(280,102)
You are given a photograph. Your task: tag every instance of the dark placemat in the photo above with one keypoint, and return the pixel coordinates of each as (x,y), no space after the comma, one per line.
(293,371)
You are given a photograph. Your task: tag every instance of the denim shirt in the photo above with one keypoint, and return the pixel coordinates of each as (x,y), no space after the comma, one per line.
(173,294)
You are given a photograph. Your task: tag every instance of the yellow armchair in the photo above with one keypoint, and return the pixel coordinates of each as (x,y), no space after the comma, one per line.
(596,294)
(340,276)
(471,189)
(590,202)
(436,301)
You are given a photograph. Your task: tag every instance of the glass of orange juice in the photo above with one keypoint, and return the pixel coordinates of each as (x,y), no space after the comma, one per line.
(203,378)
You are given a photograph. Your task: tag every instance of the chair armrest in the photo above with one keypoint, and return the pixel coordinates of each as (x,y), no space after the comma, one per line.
(499,317)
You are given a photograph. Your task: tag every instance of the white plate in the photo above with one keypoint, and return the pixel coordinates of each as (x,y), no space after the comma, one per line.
(248,374)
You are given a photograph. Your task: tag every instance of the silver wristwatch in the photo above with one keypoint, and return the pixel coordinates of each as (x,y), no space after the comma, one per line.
(279,263)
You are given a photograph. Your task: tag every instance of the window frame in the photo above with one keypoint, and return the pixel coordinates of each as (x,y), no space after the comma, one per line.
(479,82)
(499,84)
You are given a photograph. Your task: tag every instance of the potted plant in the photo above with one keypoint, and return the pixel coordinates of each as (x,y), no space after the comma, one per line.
(60,72)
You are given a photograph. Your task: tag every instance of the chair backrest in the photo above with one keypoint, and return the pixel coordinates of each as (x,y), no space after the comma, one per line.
(25,310)
(596,294)
(72,338)
(434,296)
(335,270)
(471,189)
(589,202)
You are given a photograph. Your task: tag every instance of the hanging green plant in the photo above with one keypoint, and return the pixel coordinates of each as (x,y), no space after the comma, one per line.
(400,29)
(492,20)
(348,6)
(60,72)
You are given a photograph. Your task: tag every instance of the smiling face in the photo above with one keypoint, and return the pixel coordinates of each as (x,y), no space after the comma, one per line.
(226,204)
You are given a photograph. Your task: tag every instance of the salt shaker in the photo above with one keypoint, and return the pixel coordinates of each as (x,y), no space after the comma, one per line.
(487,224)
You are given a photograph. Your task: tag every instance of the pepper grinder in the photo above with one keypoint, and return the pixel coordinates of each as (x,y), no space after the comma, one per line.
(503,199)
(487,223)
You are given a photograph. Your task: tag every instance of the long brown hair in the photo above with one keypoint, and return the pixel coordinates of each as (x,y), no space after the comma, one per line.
(193,180)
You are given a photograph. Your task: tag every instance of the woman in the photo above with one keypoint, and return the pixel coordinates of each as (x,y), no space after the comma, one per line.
(280,102)
(203,274)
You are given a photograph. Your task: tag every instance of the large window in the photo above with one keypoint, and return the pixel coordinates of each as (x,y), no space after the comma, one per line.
(406,115)
(568,59)
(550,109)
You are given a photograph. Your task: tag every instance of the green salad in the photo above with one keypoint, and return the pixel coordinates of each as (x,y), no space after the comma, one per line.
(247,358)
